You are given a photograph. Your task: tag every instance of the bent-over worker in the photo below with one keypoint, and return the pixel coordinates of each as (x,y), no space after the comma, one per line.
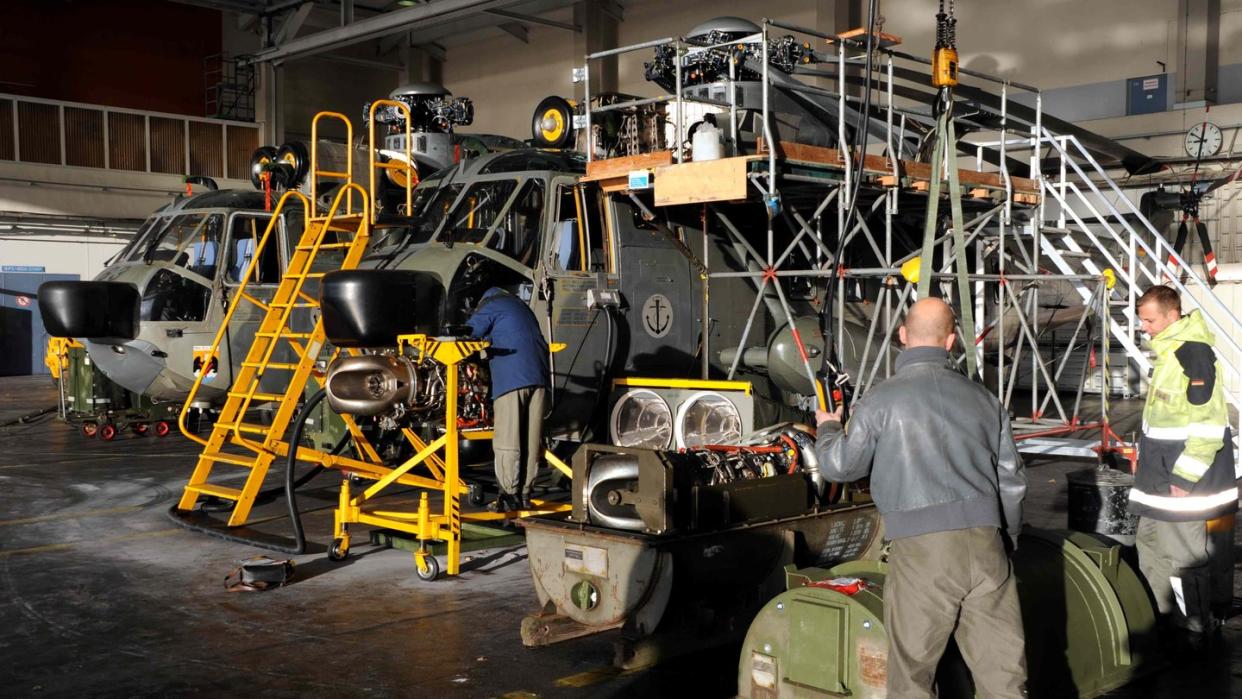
(948,481)
(518,361)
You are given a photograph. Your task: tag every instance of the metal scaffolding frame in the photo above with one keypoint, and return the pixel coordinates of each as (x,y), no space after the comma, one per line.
(1098,243)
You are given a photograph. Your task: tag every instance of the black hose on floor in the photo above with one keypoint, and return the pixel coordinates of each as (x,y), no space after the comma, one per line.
(183,519)
(291,461)
(29,418)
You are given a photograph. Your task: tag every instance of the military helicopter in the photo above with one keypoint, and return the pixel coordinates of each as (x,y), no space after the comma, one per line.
(148,319)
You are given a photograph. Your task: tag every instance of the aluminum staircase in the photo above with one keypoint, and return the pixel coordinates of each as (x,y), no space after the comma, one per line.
(1099,228)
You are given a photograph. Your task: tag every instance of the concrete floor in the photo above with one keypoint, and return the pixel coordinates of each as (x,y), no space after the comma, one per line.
(101,594)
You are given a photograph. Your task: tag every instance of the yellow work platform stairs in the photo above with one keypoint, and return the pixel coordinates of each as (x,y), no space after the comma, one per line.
(235,441)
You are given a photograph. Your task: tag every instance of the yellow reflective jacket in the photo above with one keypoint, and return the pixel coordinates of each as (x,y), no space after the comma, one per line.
(1186,439)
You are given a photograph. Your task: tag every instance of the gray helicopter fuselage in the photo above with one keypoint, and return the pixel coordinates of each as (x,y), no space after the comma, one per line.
(186,262)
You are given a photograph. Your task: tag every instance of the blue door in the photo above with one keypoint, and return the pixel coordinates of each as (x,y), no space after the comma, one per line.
(22,338)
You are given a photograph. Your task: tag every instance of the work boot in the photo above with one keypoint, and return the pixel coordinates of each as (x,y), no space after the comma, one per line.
(505,502)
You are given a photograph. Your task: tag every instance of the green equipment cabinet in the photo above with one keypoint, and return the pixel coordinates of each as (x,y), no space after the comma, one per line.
(102,408)
(1088,618)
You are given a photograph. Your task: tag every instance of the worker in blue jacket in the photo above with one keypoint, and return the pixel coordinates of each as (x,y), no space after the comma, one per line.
(518,360)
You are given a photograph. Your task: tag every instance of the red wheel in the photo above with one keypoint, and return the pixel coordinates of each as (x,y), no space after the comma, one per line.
(107,432)
(139,427)
(162,429)
(89,429)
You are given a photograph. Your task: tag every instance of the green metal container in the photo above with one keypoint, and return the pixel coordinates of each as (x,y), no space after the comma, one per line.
(1088,620)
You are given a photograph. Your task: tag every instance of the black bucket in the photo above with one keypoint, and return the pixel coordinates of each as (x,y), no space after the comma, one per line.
(1098,501)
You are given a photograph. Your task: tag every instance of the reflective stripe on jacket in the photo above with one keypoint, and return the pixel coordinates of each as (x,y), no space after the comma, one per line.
(1186,438)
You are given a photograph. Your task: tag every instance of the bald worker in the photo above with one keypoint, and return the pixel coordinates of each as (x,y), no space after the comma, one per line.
(948,481)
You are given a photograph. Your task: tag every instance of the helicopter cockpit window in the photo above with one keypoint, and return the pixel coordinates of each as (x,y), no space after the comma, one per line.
(580,243)
(247,231)
(191,241)
(173,297)
(476,212)
(518,233)
(138,244)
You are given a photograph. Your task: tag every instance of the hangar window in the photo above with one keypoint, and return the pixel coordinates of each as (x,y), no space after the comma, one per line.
(246,232)
(581,231)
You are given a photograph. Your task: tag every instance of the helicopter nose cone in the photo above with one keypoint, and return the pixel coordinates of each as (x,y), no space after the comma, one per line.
(90,309)
(133,365)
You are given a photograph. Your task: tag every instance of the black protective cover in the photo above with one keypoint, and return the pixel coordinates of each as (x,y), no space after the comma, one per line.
(371,307)
(93,310)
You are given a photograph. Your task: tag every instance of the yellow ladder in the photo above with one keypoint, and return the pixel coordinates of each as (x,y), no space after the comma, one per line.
(260,443)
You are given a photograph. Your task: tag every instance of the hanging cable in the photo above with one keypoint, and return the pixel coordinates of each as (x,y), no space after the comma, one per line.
(832,383)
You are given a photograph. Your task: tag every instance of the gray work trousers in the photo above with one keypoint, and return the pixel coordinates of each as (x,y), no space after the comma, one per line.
(1174,558)
(518,442)
(956,583)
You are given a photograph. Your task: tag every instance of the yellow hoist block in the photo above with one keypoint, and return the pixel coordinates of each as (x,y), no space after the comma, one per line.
(944,67)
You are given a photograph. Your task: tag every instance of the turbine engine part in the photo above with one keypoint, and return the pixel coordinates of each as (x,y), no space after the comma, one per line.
(371,384)
(641,418)
(432,109)
(773,473)
(712,65)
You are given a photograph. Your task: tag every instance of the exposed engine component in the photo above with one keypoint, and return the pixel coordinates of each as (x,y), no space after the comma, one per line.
(712,65)
(655,417)
(615,133)
(432,109)
(401,389)
(703,488)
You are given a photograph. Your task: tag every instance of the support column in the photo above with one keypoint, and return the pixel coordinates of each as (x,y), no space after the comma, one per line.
(597,31)
(1198,51)
(421,65)
(269,104)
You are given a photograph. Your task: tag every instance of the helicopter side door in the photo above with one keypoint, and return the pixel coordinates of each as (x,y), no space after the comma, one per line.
(245,232)
(577,304)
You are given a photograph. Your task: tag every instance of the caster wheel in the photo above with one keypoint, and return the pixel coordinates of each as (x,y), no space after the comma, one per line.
(107,432)
(433,568)
(162,429)
(475,495)
(338,551)
(89,430)
(139,428)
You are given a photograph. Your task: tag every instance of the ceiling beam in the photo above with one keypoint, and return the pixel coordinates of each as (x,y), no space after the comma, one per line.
(434,50)
(292,24)
(517,31)
(613,9)
(531,19)
(432,13)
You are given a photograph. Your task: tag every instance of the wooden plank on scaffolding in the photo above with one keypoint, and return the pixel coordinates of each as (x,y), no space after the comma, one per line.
(695,183)
(879,165)
(613,168)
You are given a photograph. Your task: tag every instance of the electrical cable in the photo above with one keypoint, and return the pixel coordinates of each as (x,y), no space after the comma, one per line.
(831,361)
(29,417)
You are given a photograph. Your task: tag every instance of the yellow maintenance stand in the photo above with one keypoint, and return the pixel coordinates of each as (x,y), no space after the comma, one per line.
(422,524)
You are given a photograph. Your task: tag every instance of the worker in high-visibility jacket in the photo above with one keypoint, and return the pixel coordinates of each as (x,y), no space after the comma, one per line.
(1185,473)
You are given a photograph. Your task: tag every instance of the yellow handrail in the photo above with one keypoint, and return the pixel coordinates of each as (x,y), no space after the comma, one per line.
(349,156)
(408,165)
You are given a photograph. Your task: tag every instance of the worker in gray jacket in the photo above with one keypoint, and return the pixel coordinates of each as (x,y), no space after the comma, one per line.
(948,481)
